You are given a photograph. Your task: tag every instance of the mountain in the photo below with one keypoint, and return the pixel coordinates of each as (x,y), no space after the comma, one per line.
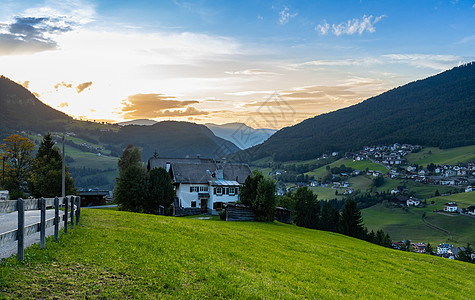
(171,139)
(437,111)
(20,109)
(142,122)
(240,134)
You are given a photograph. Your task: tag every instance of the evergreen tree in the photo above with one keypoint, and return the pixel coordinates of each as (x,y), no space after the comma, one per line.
(161,191)
(351,222)
(329,218)
(46,177)
(265,203)
(248,191)
(132,185)
(429,249)
(466,254)
(307,208)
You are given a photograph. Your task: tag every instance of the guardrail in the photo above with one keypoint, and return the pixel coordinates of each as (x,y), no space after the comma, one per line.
(72,208)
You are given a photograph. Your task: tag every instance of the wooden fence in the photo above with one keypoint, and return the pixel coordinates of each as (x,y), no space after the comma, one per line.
(72,208)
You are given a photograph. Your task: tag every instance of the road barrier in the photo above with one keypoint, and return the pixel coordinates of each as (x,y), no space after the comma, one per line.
(72,209)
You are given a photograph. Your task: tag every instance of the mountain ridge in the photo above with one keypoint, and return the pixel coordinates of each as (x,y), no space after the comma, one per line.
(436,111)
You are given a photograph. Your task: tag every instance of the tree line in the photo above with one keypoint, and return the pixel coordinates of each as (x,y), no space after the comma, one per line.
(26,173)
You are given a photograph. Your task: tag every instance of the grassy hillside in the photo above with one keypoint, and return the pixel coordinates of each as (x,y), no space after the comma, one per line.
(408,223)
(117,255)
(442,156)
(357,165)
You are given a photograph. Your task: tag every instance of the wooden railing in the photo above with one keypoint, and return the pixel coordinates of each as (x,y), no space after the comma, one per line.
(72,208)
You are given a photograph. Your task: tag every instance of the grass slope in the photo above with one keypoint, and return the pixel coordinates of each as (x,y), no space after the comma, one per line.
(357,165)
(408,224)
(117,255)
(442,156)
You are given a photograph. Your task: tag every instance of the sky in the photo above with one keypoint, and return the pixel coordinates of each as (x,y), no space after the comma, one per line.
(269,64)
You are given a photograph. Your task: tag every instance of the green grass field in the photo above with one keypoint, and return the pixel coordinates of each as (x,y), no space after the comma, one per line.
(408,224)
(442,156)
(118,255)
(327,193)
(357,165)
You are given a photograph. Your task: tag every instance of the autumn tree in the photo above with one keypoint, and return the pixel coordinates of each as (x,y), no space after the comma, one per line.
(18,153)
(46,175)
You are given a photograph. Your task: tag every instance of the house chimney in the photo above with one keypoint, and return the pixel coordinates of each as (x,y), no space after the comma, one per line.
(168,166)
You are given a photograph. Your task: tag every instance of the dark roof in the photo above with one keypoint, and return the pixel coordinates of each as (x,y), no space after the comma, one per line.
(201,170)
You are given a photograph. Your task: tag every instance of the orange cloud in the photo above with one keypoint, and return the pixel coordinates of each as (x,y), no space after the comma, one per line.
(66,85)
(142,106)
(82,86)
(63,105)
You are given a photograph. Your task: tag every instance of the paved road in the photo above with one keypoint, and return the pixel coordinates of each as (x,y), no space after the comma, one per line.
(10,222)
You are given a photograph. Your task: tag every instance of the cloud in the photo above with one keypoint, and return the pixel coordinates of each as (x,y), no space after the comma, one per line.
(251,72)
(285,16)
(63,104)
(142,106)
(25,84)
(36,29)
(64,84)
(27,35)
(432,61)
(82,86)
(350,27)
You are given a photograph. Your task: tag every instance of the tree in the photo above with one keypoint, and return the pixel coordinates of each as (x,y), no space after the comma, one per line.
(248,191)
(18,152)
(429,249)
(437,194)
(161,191)
(351,222)
(265,203)
(466,254)
(132,185)
(307,208)
(378,181)
(46,171)
(329,217)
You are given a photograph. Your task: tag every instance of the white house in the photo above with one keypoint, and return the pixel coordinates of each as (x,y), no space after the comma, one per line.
(413,201)
(204,184)
(450,207)
(469,189)
(444,248)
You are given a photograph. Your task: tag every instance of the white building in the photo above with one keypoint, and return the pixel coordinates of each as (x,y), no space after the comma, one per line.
(203,184)
(450,207)
(444,248)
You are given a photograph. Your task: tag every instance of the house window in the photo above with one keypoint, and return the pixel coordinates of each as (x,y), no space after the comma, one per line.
(218,190)
(193,203)
(218,206)
(232,191)
(194,189)
(203,188)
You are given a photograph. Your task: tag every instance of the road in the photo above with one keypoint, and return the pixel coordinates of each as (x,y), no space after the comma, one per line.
(10,222)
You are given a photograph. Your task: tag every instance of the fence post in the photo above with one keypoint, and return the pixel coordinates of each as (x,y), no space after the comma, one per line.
(78,211)
(56,219)
(43,223)
(66,205)
(21,229)
(72,211)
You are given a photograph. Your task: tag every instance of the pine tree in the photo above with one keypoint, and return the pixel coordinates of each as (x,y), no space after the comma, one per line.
(161,191)
(46,177)
(351,222)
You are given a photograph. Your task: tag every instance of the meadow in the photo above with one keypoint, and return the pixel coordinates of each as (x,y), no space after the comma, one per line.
(438,156)
(408,223)
(119,255)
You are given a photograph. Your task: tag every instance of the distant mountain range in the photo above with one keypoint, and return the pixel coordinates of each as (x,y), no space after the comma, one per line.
(240,134)
(437,111)
(20,110)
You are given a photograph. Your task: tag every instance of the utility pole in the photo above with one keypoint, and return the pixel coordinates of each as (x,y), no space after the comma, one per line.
(63,177)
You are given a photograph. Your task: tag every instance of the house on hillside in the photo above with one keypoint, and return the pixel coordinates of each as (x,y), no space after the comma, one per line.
(450,207)
(202,185)
(471,210)
(469,189)
(413,202)
(444,248)
(419,247)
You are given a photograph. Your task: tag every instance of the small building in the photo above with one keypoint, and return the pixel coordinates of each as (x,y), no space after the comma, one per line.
(467,189)
(94,197)
(282,215)
(413,202)
(4,195)
(444,248)
(471,210)
(450,207)
(238,212)
(419,247)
